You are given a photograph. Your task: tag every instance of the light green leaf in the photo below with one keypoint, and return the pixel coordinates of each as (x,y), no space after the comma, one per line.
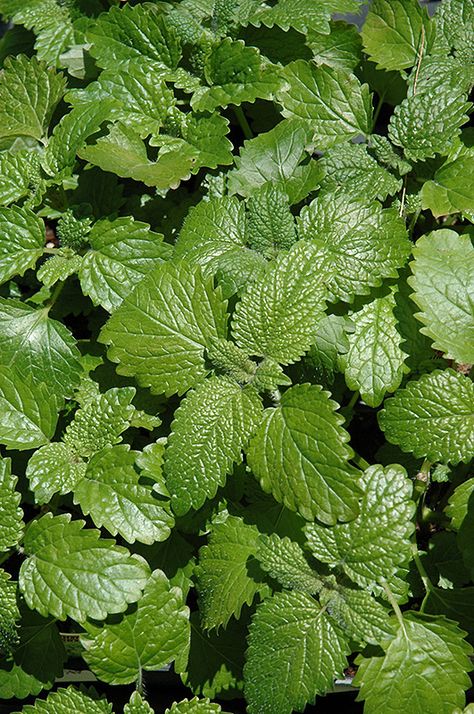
(360,616)
(29,413)
(226,580)
(195,706)
(137,705)
(395,32)
(458,504)
(455,27)
(376,544)
(443,274)
(278,314)
(359,240)
(333,103)
(275,157)
(295,652)
(29,93)
(71,572)
(271,225)
(284,560)
(148,638)
(65,701)
(14,175)
(9,615)
(130,32)
(300,455)
(341,48)
(37,346)
(23,239)
(59,267)
(211,427)
(374,362)
(433,417)
(111,493)
(423,669)
(160,331)
(54,468)
(452,188)
(302,15)
(11,514)
(122,252)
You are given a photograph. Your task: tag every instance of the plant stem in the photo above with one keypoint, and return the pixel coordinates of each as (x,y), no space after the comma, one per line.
(360,462)
(353,401)
(428,585)
(377,111)
(56,293)
(244,125)
(394,604)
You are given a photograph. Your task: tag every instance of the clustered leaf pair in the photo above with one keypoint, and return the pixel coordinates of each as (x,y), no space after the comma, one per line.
(236,348)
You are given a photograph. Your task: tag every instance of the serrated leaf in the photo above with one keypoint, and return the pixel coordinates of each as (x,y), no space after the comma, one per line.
(122,252)
(456,604)
(137,705)
(376,544)
(423,669)
(211,427)
(29,414)
(358,239)
(58,267)
(300,455)
(23,239)
(443,270)
(374,362)
(359,615)
(277,315)
(37,346)
(454,27)
(65,701)
(111,494)
(284,560)
(452,188)
(275,157)
(11,515)
(303,15)
(195,706)
(341,48)
(395,32)
(433,417)
(295,652)
(334,103)
(54,468)
(146,639)
(457,507)
(71,572)
(330,341)
(14,178)
(29,93)
(225,578)
(174,311)
(9,614)
(271,225)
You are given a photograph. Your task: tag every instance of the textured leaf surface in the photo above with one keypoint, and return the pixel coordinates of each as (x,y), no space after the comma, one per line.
(433,417)
(374,545)
(361,242)
(300,455)
(341,48)
(443,279)
(295,652)
(335,104)
(284,560)
(277,315)
(452,188)
(459,503)
(194,706)
(14,179)
(137,705)
(11,514)
(148,638)
(360,616)
(9,614)
(68,700)
(23,238)
(211,427)
(303,15)
(225,579)
(271,225)
(423,669)
(160,331)
(54,469)
(58,267)
(71,572)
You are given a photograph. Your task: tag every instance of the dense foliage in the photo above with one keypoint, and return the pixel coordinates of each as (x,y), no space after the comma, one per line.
(236,339)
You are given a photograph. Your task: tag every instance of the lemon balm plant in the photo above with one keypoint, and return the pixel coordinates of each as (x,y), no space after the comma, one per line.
(236,338)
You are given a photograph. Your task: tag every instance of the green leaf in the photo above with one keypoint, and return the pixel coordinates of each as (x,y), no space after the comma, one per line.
(396,32)
(433,417)
(271,225)
(122,252)
(376,544)
(276,157)
(124,34)
(29,93)
(341,48)
(303,15)
(333,103)
(278,314)
(361,242)
(54,468)
(300,455)
(329,342)
(137,705)
(423,668)
(360,616)
(454,27)
(64,701)
(351,168)
(458,504)
(59,268)
(14,176)
(451,189)
(9,615)
(29,414)
(442,272)
(23,239)
(211,427)
(374,362)
(456,604)
(101,421)
(11,515)
(71,572)
(111,493)
(295,652)
(36,345)
(227,578)
(145,639)
(160,331)
(284,560)
(195,706)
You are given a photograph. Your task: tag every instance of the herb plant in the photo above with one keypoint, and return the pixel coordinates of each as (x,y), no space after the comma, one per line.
(236,338)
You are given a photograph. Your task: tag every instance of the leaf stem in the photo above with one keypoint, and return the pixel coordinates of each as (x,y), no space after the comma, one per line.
(353,401)
(377,111)
(428,585)
(56,293)
(394,604)
(244,125)
(360,462)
